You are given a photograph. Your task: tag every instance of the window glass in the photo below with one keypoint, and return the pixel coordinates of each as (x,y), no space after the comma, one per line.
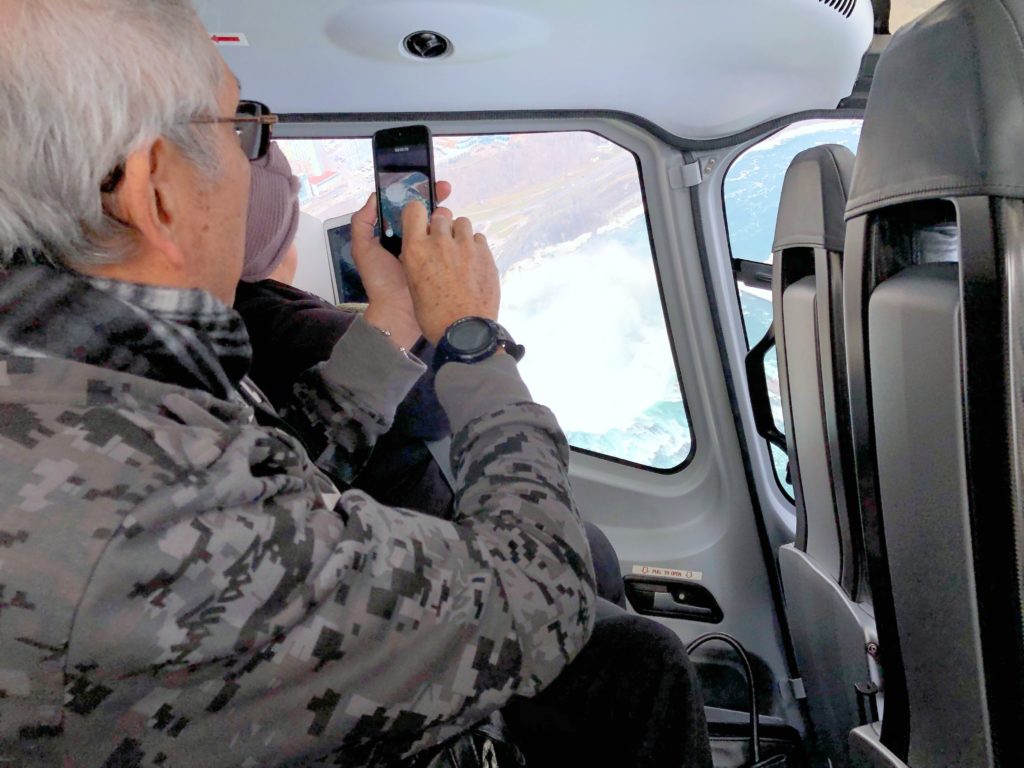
(752,190)
(780,463)
(753,185)
(756,305)
(565,218)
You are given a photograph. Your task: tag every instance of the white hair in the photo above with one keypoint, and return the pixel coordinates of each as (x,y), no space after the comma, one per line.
(83,84)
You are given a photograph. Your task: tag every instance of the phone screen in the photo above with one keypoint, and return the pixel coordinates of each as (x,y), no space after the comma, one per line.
(346,275)
(403,162)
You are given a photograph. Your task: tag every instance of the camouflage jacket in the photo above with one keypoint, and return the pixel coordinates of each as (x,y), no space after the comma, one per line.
(181,586)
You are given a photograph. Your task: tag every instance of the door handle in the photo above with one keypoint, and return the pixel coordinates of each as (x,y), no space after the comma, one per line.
(672,599)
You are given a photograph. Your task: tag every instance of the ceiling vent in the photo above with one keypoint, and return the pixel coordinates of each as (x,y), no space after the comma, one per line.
(844,7)
(426,44)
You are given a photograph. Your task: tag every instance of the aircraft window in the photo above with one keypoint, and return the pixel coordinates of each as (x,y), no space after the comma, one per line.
(753,187)
(904,11)
(565,217)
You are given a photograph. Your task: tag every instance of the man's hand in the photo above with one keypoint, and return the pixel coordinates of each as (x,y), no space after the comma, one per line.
(450,270)
(390,305)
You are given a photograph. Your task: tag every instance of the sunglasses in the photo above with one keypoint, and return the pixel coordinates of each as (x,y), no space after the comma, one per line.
(253,123)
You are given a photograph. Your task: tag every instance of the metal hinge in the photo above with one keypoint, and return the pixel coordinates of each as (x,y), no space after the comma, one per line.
(795,688)
(685,175)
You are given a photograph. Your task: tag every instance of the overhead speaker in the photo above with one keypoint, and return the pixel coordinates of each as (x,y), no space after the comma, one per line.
(427,45)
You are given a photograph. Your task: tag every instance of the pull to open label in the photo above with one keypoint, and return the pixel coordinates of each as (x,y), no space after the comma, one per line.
(667,573)
(230,38)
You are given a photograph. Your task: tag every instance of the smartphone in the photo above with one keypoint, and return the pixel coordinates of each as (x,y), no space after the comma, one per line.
(403,166)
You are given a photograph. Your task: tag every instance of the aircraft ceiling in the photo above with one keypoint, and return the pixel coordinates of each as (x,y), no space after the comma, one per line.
(698,68)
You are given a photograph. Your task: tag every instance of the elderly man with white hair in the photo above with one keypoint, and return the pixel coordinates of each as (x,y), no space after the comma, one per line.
(179,584)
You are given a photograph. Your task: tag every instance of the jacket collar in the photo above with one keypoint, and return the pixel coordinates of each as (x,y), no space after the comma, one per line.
(182,337)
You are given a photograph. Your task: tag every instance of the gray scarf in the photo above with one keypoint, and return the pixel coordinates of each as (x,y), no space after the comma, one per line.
(182,337)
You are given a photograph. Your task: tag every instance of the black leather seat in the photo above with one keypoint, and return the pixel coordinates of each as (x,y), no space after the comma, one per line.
(830,625)
(934,367)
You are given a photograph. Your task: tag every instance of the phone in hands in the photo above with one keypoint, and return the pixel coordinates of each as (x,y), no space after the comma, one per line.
(403,169)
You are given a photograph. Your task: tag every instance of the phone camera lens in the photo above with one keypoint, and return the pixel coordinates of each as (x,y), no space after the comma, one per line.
(427,45)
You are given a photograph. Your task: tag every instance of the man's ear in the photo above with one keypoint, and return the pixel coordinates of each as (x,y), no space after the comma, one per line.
(150,199)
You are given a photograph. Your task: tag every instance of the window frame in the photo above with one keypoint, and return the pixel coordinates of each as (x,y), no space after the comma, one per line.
(756,274)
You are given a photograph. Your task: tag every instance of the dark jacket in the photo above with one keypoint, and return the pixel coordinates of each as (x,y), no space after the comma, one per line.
(291,331)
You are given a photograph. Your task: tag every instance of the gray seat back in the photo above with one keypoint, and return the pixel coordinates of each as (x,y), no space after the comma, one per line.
(820,570)
(914,332)
(809,240)
(931,367)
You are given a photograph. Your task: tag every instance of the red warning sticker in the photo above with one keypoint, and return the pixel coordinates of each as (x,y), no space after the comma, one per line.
(228,39)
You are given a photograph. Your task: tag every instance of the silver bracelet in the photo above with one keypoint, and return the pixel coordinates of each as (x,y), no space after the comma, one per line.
(387,334)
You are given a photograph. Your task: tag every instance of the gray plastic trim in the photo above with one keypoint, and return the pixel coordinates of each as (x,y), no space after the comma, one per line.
(914,330)
(867,751)
(830,635)
(807,432)
(680,142)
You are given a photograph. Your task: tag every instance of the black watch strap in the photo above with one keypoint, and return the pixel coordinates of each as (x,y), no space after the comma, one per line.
(488,335)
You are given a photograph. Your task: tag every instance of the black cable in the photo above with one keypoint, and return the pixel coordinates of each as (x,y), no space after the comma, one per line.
(755,742)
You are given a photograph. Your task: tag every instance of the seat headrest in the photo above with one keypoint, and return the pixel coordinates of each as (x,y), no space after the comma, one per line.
(946,109)
(814,199)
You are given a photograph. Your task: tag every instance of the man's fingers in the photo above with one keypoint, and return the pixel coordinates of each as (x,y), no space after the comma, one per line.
(442,190)
(414,220)
(462,229)
(441,222)
(451,272)
(364,220)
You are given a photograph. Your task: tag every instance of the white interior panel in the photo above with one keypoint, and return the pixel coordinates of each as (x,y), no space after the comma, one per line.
(698,68)
(313,273)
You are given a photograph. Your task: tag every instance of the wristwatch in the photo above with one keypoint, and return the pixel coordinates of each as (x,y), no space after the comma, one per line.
(473,339)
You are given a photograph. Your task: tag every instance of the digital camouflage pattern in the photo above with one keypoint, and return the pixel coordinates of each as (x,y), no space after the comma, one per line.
(180,586)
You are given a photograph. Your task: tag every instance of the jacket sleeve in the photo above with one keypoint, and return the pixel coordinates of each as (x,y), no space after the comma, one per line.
(264,628)
(348,401)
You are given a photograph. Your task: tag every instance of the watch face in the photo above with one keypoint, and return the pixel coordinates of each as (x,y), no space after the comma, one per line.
(471,336)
